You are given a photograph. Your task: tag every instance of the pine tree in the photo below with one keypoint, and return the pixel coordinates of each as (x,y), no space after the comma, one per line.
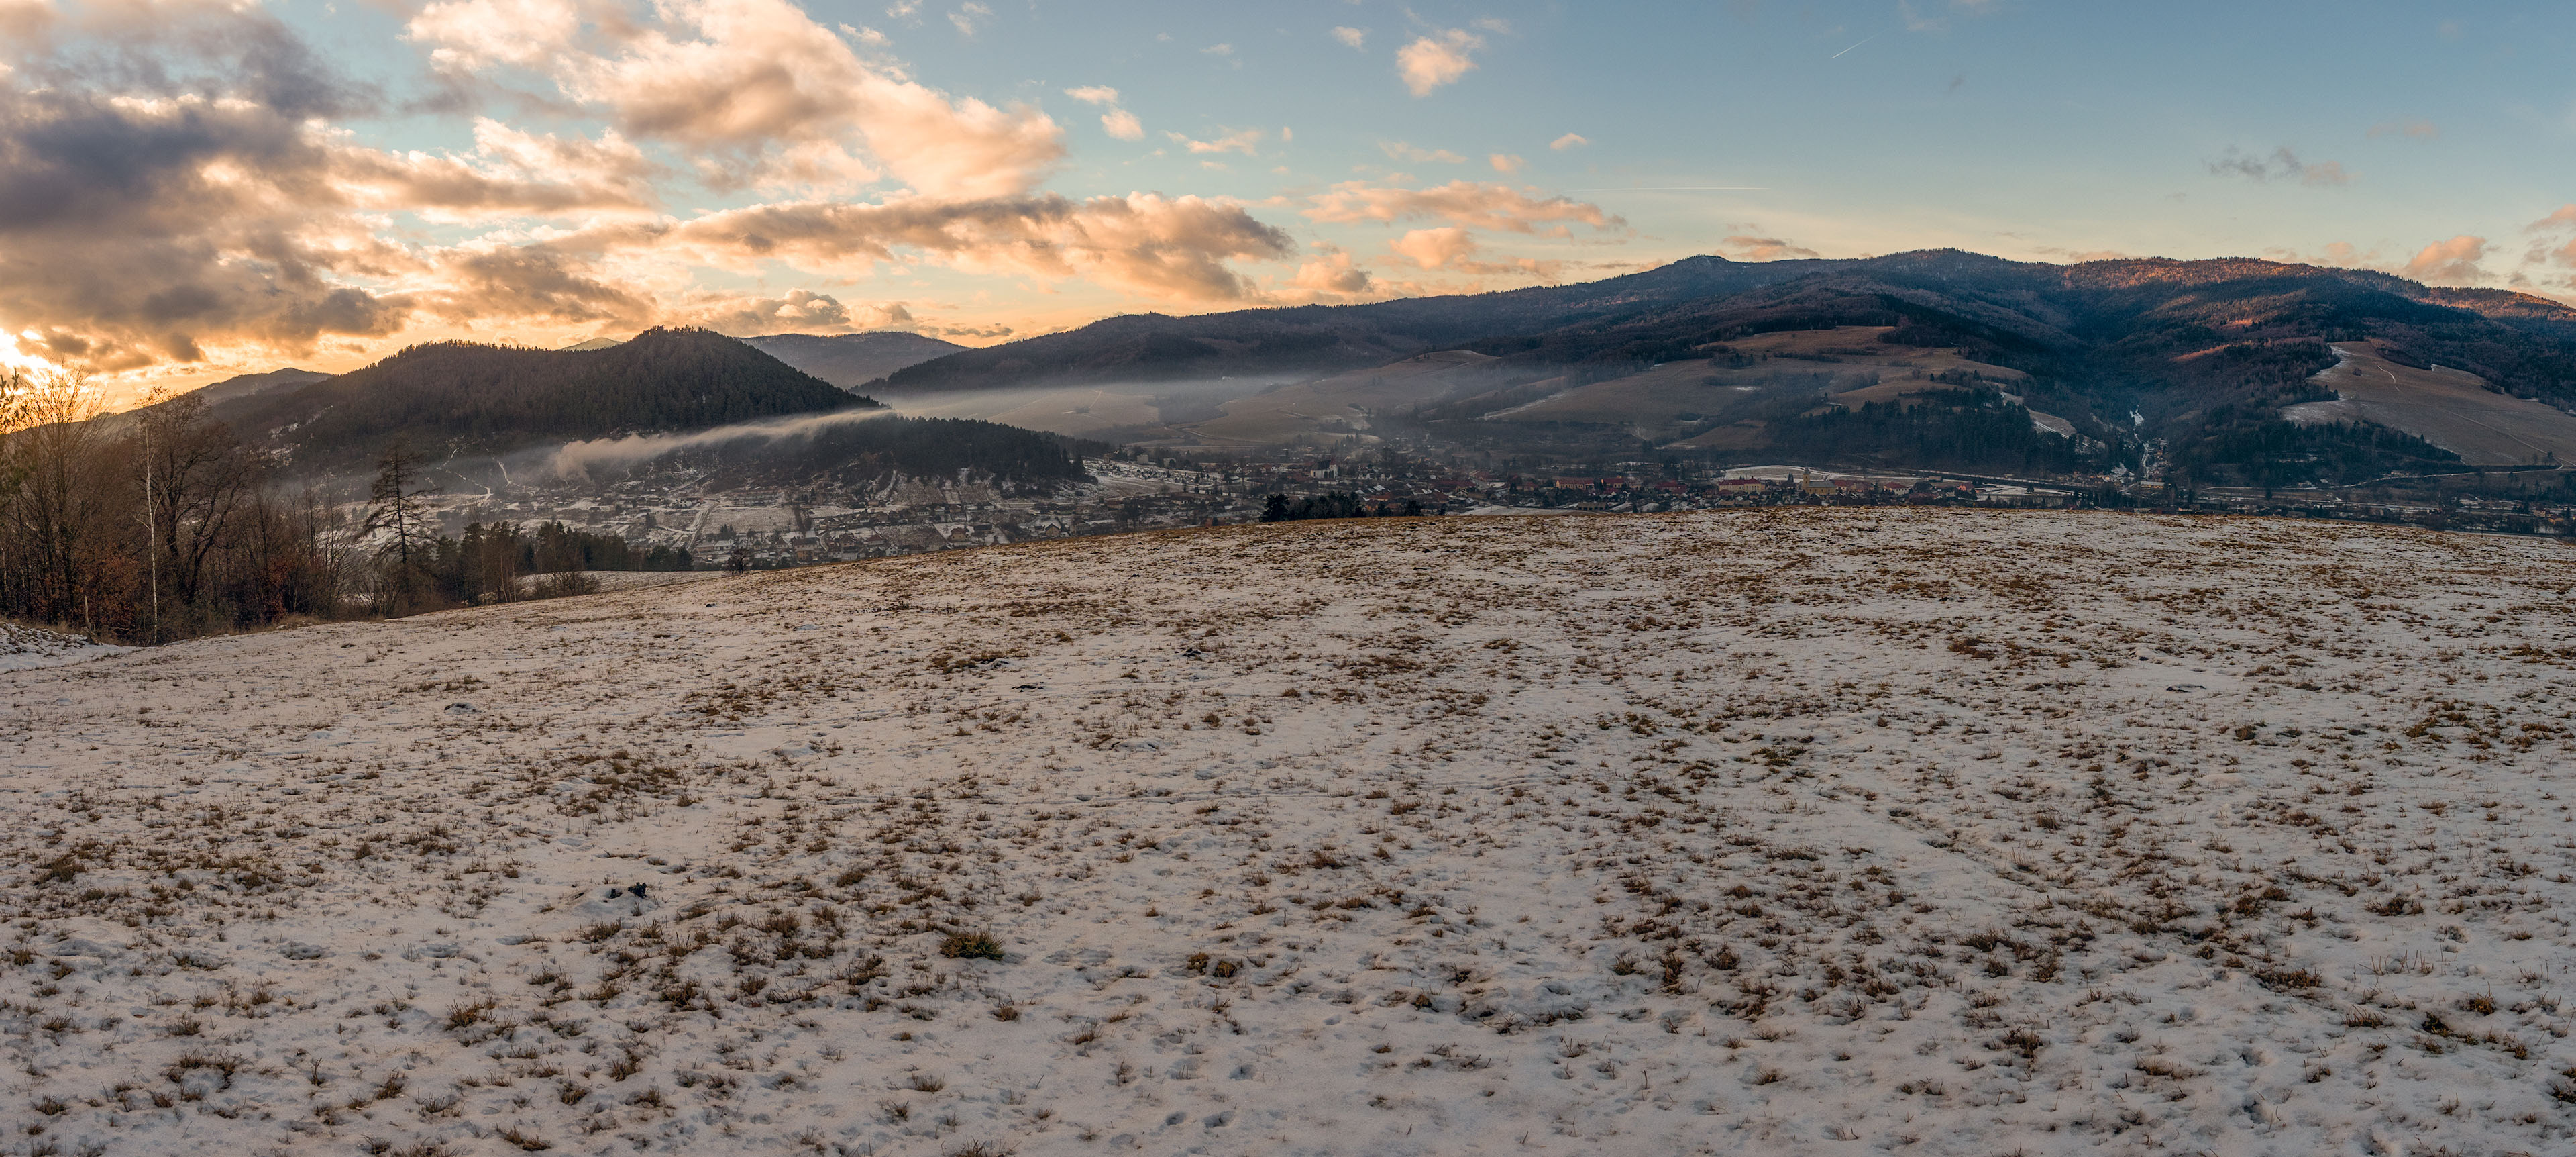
(395,510)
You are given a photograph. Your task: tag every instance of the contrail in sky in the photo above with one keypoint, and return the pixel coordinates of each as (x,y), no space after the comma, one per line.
(1863,40)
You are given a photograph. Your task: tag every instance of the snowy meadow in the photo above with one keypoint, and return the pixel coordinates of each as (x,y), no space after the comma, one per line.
(1778,831)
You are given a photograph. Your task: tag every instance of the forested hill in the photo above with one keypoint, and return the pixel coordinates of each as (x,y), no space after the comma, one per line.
(468,398)
(859,455)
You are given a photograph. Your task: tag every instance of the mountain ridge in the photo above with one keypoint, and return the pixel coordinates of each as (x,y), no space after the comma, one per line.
(1637,316)
(244,385)
(466,398)
(2203,355)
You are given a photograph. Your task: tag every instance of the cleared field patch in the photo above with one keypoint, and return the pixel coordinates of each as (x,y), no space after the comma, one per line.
(2450,408)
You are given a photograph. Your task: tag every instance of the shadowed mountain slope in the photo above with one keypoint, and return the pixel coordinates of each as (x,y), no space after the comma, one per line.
(462,397)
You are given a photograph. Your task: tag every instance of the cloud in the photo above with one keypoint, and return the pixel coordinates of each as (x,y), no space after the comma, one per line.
(1454,249)
(1744,248)
(510,173)
(2564,217)
(1141,243)
(1437,59)
(2073,256)
(1481,205)
(471,35)
(1332,272)
(1357,38)
(1117,122)
(800,310)
(1244,141)
(755,90)
(137,224)
(2418,129)
(28,24)
(2452,262)
(2283,164)
(199,200)
(2456,261)
(966,17)
(1506,162)
(1569,141)
(1434,248)
(2336,255)
(484,282)
(1403,151)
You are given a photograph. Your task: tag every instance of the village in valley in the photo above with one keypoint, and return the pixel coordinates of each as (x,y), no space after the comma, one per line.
(1134,489)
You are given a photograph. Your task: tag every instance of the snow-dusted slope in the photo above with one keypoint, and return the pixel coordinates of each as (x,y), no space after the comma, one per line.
(1769,831)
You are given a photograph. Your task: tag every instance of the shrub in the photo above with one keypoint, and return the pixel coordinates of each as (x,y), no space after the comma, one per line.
(971,946)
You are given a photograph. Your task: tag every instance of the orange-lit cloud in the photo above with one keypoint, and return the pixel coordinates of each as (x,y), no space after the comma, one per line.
(756,89)
(2452,262)
(1744,248)
(1481,205)
(1437,59)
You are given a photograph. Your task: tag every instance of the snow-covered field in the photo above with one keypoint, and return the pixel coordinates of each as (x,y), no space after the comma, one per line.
(1768,831)
(22,648)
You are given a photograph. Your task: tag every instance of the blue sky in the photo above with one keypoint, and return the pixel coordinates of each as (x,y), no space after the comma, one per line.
(548,170)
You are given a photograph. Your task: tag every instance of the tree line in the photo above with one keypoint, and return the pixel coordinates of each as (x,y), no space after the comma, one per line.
(163,524)
(154,525)
(1281,508)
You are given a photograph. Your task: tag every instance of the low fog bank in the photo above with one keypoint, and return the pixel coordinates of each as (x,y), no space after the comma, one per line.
(1095,410)
(589,459)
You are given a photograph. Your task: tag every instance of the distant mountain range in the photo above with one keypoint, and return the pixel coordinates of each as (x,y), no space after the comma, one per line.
(1934,358)
(451,398)
(2203,354)
(847,360)
(852,360)
(2138,320)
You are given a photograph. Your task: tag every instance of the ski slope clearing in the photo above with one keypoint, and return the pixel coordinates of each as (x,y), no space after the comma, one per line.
(1775,830)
